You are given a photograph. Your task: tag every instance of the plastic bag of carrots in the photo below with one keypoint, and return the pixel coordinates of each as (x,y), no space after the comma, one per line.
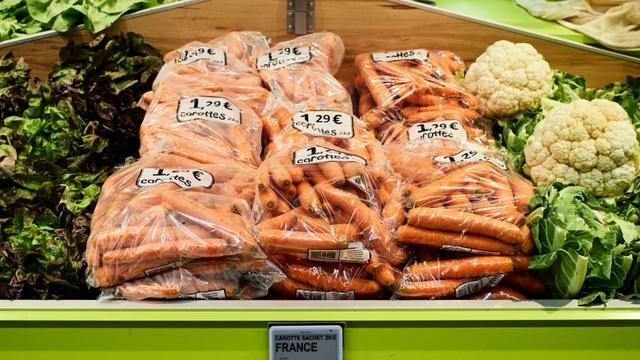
(319,203)
(402,93)
(233,52)
(203,279)
(461,199)
(164,211)
(302,69)
(199,116)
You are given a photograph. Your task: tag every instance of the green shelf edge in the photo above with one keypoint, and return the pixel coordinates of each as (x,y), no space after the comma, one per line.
(311,311)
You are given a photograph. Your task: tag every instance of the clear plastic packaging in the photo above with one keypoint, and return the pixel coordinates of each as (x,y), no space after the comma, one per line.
(301,70)
(235,51)
(413,95)
(461,199)
(320,203)
(202,116)
(164,211)
(204,279)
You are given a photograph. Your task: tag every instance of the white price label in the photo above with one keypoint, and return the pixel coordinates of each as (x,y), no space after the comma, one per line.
(185,178)
(468,250)
(206,295)
(474,286)
(210,54)
(320,154)
(469,156)
(324,295)
(415,54)
(213,108)
(355,253)
(305,342)
(327,123)
(436,130)
(283,57)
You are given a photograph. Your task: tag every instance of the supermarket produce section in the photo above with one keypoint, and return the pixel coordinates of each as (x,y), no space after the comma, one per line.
(236,183)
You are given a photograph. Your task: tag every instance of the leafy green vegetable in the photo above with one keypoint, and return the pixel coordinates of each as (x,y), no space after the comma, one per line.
(56,149)
(582,250)
(23,17)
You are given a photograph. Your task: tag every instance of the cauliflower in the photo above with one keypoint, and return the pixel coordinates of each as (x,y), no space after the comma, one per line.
(509,78)
(588,143)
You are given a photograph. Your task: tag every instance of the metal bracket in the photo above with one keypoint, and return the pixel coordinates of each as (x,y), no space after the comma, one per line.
(300,16)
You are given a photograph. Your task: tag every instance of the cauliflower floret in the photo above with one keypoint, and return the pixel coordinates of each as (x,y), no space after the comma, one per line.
(509,78)
(587,143)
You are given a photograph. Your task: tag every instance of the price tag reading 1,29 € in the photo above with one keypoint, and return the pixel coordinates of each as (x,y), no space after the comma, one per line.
(210,54)
(327,123)
(436,130)
(212,108)
(283,57)
(305,342)
(470,156)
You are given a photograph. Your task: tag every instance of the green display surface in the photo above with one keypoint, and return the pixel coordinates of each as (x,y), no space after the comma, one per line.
(373,329)
(508,15)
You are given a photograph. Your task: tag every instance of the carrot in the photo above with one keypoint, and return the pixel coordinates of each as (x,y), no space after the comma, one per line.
(393,212)
(301,240)
(379,236)
(290,191)
(333,172)
(527,245)
(459,268)
(520,262)
(522,192)
(279,175)
(282,207)
(365,102)
(268,197)
(459,201)
(289,288)
(526,282)
(170,251)
(314,174)
(308,198)
(148,290)
(497,293)
(429,289)
(385,274)
(297,175)
(453,220)
(318,278)
(282,222)
(350,231)
(438,239)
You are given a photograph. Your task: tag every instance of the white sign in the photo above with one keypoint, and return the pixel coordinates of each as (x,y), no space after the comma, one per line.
(320,154)
(469,156)
(212,55)
(212,108)
(185,178)
(355,253)
(305,342)
(474,286)
(283,57)
(327,123)
(416,54)
(437,130)
(206,295)
(324,295)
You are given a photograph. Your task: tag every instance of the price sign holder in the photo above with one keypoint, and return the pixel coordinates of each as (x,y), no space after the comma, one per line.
(306,341)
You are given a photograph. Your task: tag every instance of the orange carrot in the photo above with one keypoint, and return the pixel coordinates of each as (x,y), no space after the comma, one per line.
(308,198)
(525,282)
(300,240)
(333,172)
(282,222)
(459,268)
(289,288)
(435,289)
(438,239)
(522,192)
(169,251)
(318,278)
(453,220)
(497,293)
(279,174)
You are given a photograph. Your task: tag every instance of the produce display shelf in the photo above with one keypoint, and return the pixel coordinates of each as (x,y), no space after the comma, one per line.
(507,15)
(49,33)
(373,329)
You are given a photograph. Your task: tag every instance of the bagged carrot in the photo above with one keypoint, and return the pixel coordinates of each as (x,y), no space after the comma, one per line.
(203,279)
(165,210)
(235,51)
(205,115)
(302,69)
(319,203)
(461,199)
(414,95)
